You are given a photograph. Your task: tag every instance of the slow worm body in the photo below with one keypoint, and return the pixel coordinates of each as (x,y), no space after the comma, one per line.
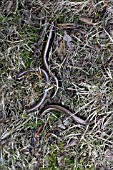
(44,73)
(45,57)
(22,73)
(62,109)
(36,105)
(48,47)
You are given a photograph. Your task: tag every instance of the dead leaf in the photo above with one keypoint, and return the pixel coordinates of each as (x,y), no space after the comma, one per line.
(61,161)
(102,168)
(86,20)
(109,156)
(8,6)
(61,49)
(73,142)
(68,40)
(66,37)
(60,124)
(66,25)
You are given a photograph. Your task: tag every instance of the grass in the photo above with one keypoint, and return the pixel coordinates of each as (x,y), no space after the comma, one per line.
(85,68)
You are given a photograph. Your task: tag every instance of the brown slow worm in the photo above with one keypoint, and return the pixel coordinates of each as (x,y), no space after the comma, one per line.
(62,109)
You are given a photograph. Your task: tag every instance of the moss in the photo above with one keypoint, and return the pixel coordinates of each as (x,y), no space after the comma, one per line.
(54,117)
(69,160)
(29,35)
(53,163)
(26,58)
(12,19)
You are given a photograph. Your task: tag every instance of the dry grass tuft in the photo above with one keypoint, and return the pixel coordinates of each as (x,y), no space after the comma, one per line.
(83,59)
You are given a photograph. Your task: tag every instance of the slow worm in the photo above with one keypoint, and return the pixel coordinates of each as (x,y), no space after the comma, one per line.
(62,109)
(22,73)
(36,105)
(46,54)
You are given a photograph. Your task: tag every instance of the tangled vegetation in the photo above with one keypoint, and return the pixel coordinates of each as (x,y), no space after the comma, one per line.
(82,59)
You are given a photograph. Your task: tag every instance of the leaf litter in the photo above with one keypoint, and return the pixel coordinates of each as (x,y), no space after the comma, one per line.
(82,57)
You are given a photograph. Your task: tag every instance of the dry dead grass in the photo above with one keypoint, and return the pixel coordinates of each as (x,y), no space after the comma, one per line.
(85,68)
